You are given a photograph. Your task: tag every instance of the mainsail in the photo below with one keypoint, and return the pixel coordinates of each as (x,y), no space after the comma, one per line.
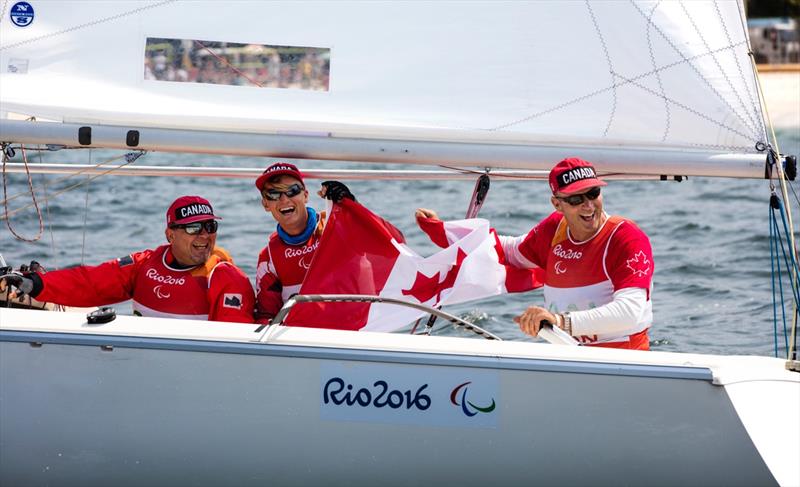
(643,87)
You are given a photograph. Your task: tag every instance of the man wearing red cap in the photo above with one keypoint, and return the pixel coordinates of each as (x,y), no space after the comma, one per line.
(283,263)
(599,268)
(188,278)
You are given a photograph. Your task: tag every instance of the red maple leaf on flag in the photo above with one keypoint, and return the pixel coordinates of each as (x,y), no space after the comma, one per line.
(639,264)
(425,288)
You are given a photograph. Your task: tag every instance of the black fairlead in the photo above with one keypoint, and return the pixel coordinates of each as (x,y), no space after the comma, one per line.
(85,135)
(132,138)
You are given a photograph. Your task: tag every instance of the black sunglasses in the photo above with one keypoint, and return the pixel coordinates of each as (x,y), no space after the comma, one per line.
(275,195)
(577,199)
(210,226)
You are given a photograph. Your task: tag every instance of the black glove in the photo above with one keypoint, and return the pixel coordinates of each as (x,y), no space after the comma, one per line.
(336,191)
(24,284)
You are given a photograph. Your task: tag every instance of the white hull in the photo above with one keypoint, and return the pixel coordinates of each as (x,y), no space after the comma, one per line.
(165,402)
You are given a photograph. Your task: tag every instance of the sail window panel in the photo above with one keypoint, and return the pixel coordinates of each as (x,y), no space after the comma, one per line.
(236,64)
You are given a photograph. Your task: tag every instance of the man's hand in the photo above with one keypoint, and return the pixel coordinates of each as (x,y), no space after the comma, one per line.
(426,213)
(335,191)
(530,321)
(15,280)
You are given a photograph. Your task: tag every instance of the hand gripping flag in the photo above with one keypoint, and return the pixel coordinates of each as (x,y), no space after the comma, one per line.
(360,253)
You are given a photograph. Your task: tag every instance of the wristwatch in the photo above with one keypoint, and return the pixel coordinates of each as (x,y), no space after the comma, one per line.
(566,323)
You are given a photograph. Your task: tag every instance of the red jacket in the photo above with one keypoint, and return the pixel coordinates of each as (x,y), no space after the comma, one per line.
(216,291)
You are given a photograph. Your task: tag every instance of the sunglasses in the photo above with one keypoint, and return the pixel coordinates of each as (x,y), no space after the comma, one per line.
(275,195)
(210,226)
(577,199)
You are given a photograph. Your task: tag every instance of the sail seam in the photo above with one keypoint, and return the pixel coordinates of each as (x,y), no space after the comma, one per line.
(3,12)
(752,124)
(610,69)
(688,109)
(628,80)
(657,73)
(688,62)
(87,24)
(758,118)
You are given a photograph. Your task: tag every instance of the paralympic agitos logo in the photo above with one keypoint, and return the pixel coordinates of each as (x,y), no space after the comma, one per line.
(468,407)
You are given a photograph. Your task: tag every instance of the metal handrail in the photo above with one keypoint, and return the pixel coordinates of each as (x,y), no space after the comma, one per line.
(360,298)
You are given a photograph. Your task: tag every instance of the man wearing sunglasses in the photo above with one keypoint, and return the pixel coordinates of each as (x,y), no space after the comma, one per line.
(283,263)
(188,278)
(599,268)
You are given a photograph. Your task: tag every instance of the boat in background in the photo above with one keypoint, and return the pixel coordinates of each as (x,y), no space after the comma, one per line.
(644,89)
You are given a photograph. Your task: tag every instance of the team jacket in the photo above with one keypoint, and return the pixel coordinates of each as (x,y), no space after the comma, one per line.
(216,291)
(280,271)
(585,275)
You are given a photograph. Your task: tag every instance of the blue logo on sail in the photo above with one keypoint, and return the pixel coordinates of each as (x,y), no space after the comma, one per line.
(22,14)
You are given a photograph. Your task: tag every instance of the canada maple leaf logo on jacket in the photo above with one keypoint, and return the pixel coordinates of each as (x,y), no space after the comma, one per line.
(639,264)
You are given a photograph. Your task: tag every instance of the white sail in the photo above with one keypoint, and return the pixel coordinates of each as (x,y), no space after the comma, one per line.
(671,79)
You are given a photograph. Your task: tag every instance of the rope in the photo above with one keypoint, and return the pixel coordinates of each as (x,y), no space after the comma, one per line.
(783,183)
(772,262)
(85,216)
(778,248)
(775,240)
(7,214)
(791,345)
(130,157)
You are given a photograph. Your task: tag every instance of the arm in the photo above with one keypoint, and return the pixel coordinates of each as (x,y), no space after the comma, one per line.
(109,282)
(621,315)
(230,295)
(268,291)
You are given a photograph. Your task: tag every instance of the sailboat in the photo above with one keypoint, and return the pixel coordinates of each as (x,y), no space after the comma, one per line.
(643,89)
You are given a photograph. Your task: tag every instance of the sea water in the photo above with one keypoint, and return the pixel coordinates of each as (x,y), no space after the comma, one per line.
(710,236)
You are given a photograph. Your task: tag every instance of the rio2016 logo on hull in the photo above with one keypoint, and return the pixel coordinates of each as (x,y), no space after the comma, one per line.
(467,407)
(409,394)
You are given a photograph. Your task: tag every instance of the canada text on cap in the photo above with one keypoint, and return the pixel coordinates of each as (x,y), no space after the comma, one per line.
(573,175)
(276,170)
(189,209)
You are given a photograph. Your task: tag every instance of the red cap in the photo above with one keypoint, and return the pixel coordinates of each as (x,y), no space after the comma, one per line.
(573,175)
(276,170)
(189,209)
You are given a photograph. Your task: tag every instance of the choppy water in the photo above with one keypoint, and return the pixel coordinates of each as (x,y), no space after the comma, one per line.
(710,236)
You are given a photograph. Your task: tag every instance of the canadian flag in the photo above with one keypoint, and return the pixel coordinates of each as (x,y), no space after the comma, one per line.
(360,253)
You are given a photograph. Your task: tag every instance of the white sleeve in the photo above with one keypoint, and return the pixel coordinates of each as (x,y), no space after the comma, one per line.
(619,316)
(514,257)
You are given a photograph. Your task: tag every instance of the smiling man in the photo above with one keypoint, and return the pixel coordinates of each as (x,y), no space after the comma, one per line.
(284,262)
(598,268)
(188,278)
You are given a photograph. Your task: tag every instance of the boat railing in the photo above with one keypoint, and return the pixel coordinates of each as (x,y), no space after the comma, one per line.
(548,332)
(359,298)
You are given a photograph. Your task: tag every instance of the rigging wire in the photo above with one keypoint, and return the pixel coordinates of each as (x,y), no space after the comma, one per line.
(129,157)
(85,215)
(778,249)
(76,172)
(6,214)
(783,181)
(47,207)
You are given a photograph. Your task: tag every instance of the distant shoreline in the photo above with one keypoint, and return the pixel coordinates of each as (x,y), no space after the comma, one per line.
(781,85)
(778,68)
